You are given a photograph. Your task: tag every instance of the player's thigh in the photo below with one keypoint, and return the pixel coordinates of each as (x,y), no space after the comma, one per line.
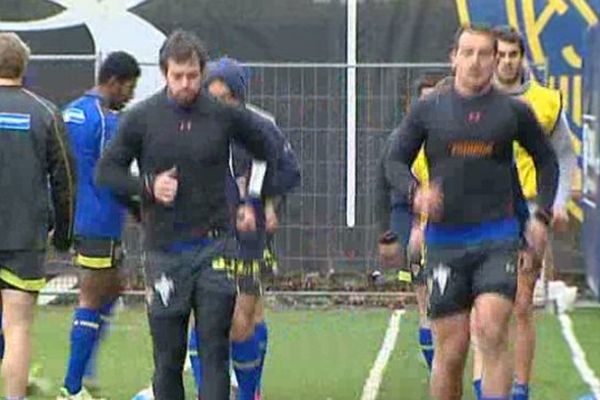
(496,271)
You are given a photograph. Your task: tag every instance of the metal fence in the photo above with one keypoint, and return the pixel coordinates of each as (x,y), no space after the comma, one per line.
(309,102)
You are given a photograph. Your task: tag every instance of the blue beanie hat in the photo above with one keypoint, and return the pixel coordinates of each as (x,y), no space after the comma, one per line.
(230,72)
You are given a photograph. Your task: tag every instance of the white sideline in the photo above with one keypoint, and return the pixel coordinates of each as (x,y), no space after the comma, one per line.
(371,388)
(587,374)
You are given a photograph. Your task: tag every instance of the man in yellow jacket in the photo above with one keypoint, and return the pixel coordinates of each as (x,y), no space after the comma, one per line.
(512,77)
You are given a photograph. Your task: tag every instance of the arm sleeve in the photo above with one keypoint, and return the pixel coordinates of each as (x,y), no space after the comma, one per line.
(114,167)
(253,133)
(406,141)
(531,136)
(382,193)
(563,147)
(61,174)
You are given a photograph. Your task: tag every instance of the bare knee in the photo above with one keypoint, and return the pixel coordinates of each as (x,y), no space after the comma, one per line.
(492,337)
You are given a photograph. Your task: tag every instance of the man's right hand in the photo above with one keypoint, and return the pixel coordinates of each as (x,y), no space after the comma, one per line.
(165,186)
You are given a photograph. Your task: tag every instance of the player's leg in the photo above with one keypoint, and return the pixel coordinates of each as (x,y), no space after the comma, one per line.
(477,360)
(494,285)
(213,304)
(18,316)
(452,345)
(90,377)
(21,278)
(193,354)
(245,352)
(261,332)
(170,281)
(525,334)
(169,336)
(99,283)
(450,301)
(425,333)
(247,273)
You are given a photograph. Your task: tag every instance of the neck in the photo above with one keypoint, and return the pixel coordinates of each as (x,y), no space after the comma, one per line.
(466,91)
(11,82)
(103,92)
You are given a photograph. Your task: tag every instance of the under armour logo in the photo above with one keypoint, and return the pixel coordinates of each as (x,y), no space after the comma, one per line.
(440,276)
(474,117)
(164,287)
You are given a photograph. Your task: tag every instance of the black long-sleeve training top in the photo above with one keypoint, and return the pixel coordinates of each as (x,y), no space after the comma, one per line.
(196,140)
(469,149)
(34,156)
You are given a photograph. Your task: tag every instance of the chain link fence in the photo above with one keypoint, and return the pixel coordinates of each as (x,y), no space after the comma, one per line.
(309,103)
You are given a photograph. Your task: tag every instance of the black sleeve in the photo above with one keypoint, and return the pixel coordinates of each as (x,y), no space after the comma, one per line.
(242,160)
(382,193)
(113,169)
(531,136)
(61,174)
(254,134)
(406,141)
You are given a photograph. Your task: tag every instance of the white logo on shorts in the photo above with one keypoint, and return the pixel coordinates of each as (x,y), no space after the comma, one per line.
(510,268)
(164,287)
(440,275)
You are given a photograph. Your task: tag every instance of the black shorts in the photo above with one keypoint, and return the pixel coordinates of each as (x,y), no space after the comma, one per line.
(457,276)
(251,260)
(176,281)
(97,254)
(22,270)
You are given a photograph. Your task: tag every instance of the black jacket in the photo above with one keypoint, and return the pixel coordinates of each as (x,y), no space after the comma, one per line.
(34,155)
(160,135)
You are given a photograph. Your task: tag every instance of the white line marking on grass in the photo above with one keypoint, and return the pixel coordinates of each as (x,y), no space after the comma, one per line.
(587,374)
(373,382)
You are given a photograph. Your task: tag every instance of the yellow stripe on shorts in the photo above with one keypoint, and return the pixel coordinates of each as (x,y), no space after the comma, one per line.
(93,262)
(31,285)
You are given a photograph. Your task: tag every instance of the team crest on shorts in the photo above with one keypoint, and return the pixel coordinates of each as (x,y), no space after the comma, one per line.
(164,287)
(440,275)
(510,268)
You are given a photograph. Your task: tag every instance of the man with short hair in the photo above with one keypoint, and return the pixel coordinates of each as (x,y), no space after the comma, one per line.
(472,232)
(35,152)
(91,122)
(512,77)
(180,138)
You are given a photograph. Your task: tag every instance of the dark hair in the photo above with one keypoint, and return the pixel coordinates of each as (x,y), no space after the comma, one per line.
(120,65)
(182,46)
(483,29)
(510,35)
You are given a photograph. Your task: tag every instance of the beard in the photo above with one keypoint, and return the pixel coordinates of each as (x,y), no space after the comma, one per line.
(184,97)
